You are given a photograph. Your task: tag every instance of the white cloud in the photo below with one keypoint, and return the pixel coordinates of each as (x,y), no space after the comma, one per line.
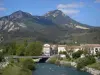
(2,9)
(97,1)
(72,5)
(70,9)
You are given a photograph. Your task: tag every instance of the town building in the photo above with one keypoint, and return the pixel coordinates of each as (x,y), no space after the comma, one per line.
(74,48)
(61,48)
(92,48)
(51,49)
(54,50)
(46,49)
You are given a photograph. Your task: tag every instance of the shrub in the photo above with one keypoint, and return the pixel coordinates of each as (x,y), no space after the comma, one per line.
(82,62)
(77,54)
(52,60)
(28,63)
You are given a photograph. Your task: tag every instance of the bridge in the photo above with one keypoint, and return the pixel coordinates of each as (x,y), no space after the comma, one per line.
(27,56)
(40,58)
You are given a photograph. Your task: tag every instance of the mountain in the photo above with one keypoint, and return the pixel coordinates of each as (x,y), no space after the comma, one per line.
(54,26)
(61,19)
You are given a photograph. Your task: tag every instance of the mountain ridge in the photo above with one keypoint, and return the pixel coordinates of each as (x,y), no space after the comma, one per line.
(54,26)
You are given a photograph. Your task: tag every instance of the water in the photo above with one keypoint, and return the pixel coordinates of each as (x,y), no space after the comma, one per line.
(51,69)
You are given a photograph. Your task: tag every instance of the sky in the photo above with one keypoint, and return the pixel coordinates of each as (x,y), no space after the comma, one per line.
(83,11)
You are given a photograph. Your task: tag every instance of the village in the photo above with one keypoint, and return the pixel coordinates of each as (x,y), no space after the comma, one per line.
(84,56)
(52,49)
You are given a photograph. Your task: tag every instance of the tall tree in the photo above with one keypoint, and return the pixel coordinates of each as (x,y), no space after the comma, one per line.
(34,48)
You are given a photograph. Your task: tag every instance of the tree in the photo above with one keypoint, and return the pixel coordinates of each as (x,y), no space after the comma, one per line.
(85,52)
(82,62)
(21,50)
(28,63)
(34,48)
(1,56)
(98,54)
(77,54)
(25,43)
(11,48)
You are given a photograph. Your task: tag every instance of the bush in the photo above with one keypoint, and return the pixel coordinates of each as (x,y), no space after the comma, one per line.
(52,60)
(77,54)
(82,62)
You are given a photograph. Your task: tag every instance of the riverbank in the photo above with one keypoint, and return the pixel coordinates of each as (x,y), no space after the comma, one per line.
(92,71)
(18,67)
(13,69)
(55,60)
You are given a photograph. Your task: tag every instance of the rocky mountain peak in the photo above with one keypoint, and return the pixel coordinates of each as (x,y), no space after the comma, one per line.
(54,13)
(19,14)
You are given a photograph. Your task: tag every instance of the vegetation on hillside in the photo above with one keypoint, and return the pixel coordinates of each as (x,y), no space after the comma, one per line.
(23,49)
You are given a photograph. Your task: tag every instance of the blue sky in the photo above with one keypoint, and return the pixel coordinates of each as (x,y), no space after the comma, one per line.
(84,11)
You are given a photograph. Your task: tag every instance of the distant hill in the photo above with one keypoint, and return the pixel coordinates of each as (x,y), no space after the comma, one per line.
(54,26)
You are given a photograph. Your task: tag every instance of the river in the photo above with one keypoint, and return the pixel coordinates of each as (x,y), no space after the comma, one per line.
(51,69)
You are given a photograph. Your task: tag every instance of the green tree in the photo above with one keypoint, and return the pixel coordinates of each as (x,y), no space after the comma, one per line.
(25,43)
(21,50)
(12,48)
(82,62)
(77,54)
(28,63)
(1,56)
(34,48)
(86,52)
(98,54)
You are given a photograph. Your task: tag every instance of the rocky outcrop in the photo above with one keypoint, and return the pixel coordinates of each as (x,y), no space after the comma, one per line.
(92,71)
(3,64)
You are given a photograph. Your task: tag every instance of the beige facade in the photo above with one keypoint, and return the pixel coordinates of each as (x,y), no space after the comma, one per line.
(46,50)
(61,48)
(92,48)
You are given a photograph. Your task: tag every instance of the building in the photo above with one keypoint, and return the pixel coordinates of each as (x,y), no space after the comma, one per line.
(61,48)
(46,49)
(54,50)
(92,48)
(49,50)
(74,48)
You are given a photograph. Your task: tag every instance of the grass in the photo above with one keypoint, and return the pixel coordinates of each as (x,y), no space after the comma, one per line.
(95,66)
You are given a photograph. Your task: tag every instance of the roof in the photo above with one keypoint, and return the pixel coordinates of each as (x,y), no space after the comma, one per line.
(73,47)
(90,45)
(46,45)
(62,45)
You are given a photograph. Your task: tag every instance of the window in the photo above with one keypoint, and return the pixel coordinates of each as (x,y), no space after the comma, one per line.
(96,49)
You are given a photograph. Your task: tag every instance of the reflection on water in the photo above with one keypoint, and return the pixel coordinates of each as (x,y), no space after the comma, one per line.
(51,69)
